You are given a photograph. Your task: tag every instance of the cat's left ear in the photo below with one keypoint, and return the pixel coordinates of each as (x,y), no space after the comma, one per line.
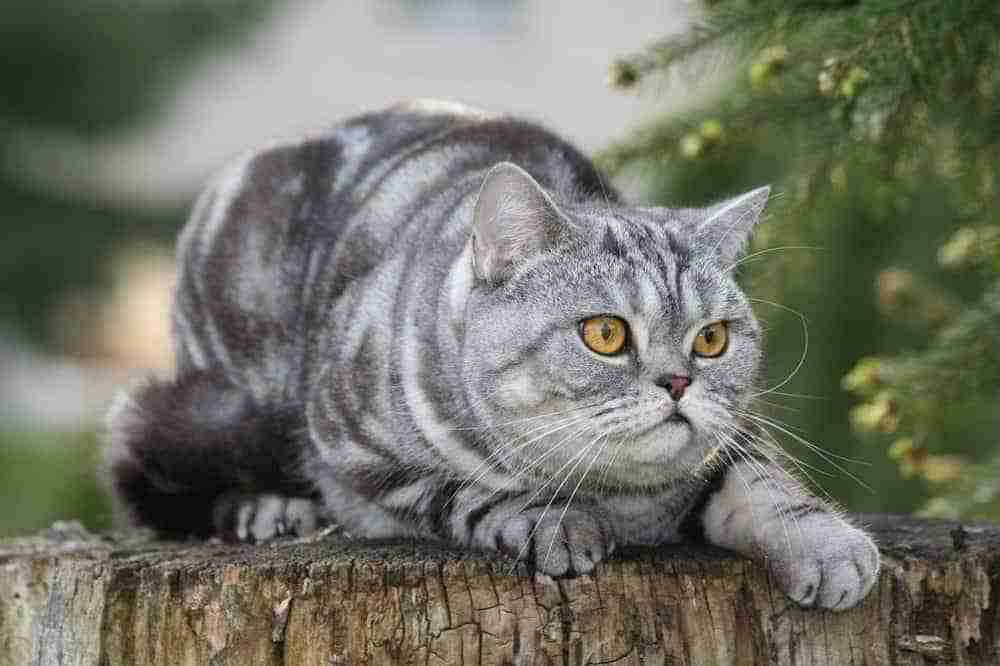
(726,226)
(514,218)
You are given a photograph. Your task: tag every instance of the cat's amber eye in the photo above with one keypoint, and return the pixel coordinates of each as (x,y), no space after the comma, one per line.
(605,334)
(711,340)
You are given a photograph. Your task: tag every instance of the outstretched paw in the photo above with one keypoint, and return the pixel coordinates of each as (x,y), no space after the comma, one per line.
(259,518)
(835,566)
(556,544)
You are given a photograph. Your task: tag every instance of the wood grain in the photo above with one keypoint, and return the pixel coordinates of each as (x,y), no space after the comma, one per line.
(68,597)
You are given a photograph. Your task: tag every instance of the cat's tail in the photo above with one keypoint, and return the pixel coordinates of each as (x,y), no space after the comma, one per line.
(182,449)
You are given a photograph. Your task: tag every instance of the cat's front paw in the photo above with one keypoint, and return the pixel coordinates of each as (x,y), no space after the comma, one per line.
(556,544)
(824,563)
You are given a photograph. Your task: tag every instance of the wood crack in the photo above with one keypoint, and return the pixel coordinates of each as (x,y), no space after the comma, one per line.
(331,601)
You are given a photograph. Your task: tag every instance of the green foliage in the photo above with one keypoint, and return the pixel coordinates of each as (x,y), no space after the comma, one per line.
(914,395)
(71,68)
(876,121)
(87,69)
(104,63)
(46,477)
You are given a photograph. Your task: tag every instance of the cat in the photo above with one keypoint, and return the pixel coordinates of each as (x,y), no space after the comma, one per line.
(434,322)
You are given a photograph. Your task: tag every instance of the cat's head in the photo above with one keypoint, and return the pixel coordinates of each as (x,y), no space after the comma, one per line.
(607,342)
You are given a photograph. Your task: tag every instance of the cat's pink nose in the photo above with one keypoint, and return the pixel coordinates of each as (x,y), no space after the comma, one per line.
(676,385)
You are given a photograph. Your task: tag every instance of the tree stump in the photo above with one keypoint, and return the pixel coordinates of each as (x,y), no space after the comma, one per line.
(69,597)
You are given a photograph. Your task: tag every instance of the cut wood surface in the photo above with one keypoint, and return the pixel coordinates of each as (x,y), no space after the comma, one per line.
(69,597)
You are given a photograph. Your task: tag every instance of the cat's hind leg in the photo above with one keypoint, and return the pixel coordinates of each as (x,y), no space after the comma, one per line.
(259,518)
(196,455)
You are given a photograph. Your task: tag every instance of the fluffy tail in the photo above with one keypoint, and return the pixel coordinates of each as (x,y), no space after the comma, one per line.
(180,448)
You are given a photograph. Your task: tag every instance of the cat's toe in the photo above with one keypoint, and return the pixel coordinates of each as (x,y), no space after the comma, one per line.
(245,510)
(539,542)
(846,586)
(849,575)
(584,558)
(801,582)
(571,549)
(587,544)
(261,518)
(301,516)
(268,518)
(552,554)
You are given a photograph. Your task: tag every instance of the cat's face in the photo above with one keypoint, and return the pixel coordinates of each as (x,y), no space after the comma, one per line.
(616,352)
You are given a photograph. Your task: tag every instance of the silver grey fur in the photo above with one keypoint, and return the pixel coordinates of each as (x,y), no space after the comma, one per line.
(398,301)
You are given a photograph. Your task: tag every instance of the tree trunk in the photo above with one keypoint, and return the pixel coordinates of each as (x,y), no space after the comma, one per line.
(68,597)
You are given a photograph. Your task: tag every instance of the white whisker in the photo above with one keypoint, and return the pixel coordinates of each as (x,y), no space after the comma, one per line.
(826,455)
(578,456)
(569,502)
(769,250)
(805,344)
(770,485)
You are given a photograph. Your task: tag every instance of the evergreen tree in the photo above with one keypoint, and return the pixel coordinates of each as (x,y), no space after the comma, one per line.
(876,120)
(84,69)
(88,69)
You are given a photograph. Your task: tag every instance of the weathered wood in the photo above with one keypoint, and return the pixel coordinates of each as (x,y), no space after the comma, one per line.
(71,598)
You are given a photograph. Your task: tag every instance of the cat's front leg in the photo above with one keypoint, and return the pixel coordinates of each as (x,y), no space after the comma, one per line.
(556,538)
(818,558)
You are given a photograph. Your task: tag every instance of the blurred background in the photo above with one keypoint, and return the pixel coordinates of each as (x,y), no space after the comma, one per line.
(875,272)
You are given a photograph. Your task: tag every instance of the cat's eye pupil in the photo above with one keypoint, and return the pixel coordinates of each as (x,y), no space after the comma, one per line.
(708,334)
(606,331)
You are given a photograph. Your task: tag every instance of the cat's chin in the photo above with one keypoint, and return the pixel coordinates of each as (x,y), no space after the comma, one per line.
(648,458)
(662,444)
(667,453)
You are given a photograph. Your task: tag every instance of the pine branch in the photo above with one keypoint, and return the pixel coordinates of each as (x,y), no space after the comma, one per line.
(863,113)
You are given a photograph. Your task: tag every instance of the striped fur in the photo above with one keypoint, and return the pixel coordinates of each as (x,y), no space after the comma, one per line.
(378,326)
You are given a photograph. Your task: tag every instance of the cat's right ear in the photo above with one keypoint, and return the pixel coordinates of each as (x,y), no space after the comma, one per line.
(726,226)
(514,218)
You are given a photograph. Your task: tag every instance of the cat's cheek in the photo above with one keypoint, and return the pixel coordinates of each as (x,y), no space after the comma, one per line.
(519,391)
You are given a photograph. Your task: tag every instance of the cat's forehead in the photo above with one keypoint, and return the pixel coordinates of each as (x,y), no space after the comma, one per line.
(648,238)
(637,265)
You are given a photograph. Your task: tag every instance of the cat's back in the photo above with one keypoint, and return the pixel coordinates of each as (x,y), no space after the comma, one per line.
(285,230)
(272,204)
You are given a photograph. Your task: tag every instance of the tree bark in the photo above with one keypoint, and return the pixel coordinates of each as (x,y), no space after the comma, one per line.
(68,597)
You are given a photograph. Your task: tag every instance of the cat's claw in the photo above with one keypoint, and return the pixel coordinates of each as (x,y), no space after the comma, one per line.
(832,570)
(260,518)
(569,546)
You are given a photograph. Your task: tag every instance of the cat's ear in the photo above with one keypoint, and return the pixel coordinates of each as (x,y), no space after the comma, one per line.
(726,226)
(514,218)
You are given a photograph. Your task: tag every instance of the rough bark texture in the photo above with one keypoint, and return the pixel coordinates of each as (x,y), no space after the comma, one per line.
(67,597)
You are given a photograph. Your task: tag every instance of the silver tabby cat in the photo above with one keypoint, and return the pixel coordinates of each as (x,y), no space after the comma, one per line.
(434,322)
